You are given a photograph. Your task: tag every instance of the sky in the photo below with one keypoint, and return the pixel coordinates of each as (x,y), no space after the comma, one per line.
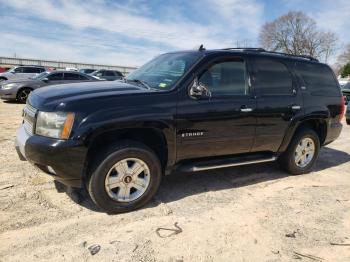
(131,32)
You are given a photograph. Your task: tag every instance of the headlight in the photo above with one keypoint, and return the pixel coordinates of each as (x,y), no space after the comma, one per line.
(54,124)
(9,86)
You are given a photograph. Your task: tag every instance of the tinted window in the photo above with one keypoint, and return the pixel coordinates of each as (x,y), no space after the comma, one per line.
(318,78)
(109,73)
(55,76)
(31,70)
(19,70)
(272,78)
(71,76)
(81,77)
(118,73)
(87,71)
(228,78)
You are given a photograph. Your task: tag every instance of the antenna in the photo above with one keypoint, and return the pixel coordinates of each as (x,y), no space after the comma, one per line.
(200,48)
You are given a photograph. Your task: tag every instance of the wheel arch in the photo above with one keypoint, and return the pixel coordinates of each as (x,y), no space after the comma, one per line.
(318,124)
(153,138)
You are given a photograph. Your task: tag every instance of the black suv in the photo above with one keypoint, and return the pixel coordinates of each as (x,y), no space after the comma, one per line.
(189,111)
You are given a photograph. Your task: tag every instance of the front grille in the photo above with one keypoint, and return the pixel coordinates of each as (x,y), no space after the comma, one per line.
(29,117)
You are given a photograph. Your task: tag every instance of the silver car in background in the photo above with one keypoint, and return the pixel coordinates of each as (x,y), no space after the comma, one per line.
(20,89)
(21,72)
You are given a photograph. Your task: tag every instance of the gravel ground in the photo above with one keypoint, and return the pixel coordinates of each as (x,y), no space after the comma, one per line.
(251,213)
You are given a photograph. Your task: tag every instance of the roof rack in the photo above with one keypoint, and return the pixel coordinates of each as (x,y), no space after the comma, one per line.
(257,49)
(262,50)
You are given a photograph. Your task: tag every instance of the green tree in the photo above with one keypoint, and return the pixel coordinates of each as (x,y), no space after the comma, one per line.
(346,70)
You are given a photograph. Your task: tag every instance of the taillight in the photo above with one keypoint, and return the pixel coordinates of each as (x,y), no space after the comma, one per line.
(342,108)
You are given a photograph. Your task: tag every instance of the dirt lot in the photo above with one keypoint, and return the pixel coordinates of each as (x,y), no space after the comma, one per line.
(251,213)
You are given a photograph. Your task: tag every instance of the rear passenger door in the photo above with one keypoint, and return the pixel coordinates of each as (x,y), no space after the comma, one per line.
(278,101)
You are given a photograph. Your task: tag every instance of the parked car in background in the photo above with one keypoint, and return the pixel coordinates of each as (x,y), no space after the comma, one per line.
(71,69)
(346,92)
(20,89)
(3,69)
(343,81)
(87,70)
(109,75)
(21,72)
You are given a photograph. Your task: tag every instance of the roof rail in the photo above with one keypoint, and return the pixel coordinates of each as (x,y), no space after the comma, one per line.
(257,49)
(309,57)
(262,50)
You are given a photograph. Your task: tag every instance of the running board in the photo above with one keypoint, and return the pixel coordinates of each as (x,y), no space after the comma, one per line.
(223,163)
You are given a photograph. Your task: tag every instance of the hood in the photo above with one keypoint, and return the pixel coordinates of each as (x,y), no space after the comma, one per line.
(58,94)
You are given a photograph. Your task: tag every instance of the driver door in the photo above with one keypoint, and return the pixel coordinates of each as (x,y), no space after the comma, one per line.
(223,124)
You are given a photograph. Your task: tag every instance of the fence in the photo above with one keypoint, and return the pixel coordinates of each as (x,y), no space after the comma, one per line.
(11,61)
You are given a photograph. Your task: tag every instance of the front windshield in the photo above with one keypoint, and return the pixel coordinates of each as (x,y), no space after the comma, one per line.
(165,70)
(12,69)
(40,76)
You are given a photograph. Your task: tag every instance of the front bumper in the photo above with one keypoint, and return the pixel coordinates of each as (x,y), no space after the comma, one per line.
(62,159)
(7,94)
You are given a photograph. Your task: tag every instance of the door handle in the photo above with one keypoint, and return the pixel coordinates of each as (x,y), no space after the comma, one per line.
(246,109)
(295,107)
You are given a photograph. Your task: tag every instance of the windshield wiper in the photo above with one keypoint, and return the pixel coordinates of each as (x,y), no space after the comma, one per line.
(143,83)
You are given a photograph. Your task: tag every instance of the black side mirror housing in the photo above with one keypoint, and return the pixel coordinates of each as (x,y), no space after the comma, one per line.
(199,90)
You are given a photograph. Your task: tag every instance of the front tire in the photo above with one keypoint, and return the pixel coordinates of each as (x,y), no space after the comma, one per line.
(302,152)
(23,94)
(125,178)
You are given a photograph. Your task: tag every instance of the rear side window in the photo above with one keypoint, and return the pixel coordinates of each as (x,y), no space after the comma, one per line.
(30,70)
(109,73)
(118,73)
(55,76)
(71,76)
(272,78)
(318,79)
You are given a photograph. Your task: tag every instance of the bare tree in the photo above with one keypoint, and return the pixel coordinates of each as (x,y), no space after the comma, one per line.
(344,57)
(296,33)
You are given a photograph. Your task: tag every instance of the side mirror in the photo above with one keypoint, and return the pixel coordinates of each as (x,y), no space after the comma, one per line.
(45,79)
(199,90)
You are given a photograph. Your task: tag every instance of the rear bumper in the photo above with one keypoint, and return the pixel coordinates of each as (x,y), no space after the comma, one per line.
(333,132)
(61,159)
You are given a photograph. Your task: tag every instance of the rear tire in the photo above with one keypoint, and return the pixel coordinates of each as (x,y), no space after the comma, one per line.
(302,152)
(23,94)
(124,178)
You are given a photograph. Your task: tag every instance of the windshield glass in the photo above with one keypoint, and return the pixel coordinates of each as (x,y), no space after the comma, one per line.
(40,76)
(165,70)
(12,69)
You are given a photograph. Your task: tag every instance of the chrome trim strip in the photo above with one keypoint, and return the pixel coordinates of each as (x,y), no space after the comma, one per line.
(195,169)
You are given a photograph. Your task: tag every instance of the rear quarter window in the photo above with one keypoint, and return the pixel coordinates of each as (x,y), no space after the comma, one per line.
(318,78)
